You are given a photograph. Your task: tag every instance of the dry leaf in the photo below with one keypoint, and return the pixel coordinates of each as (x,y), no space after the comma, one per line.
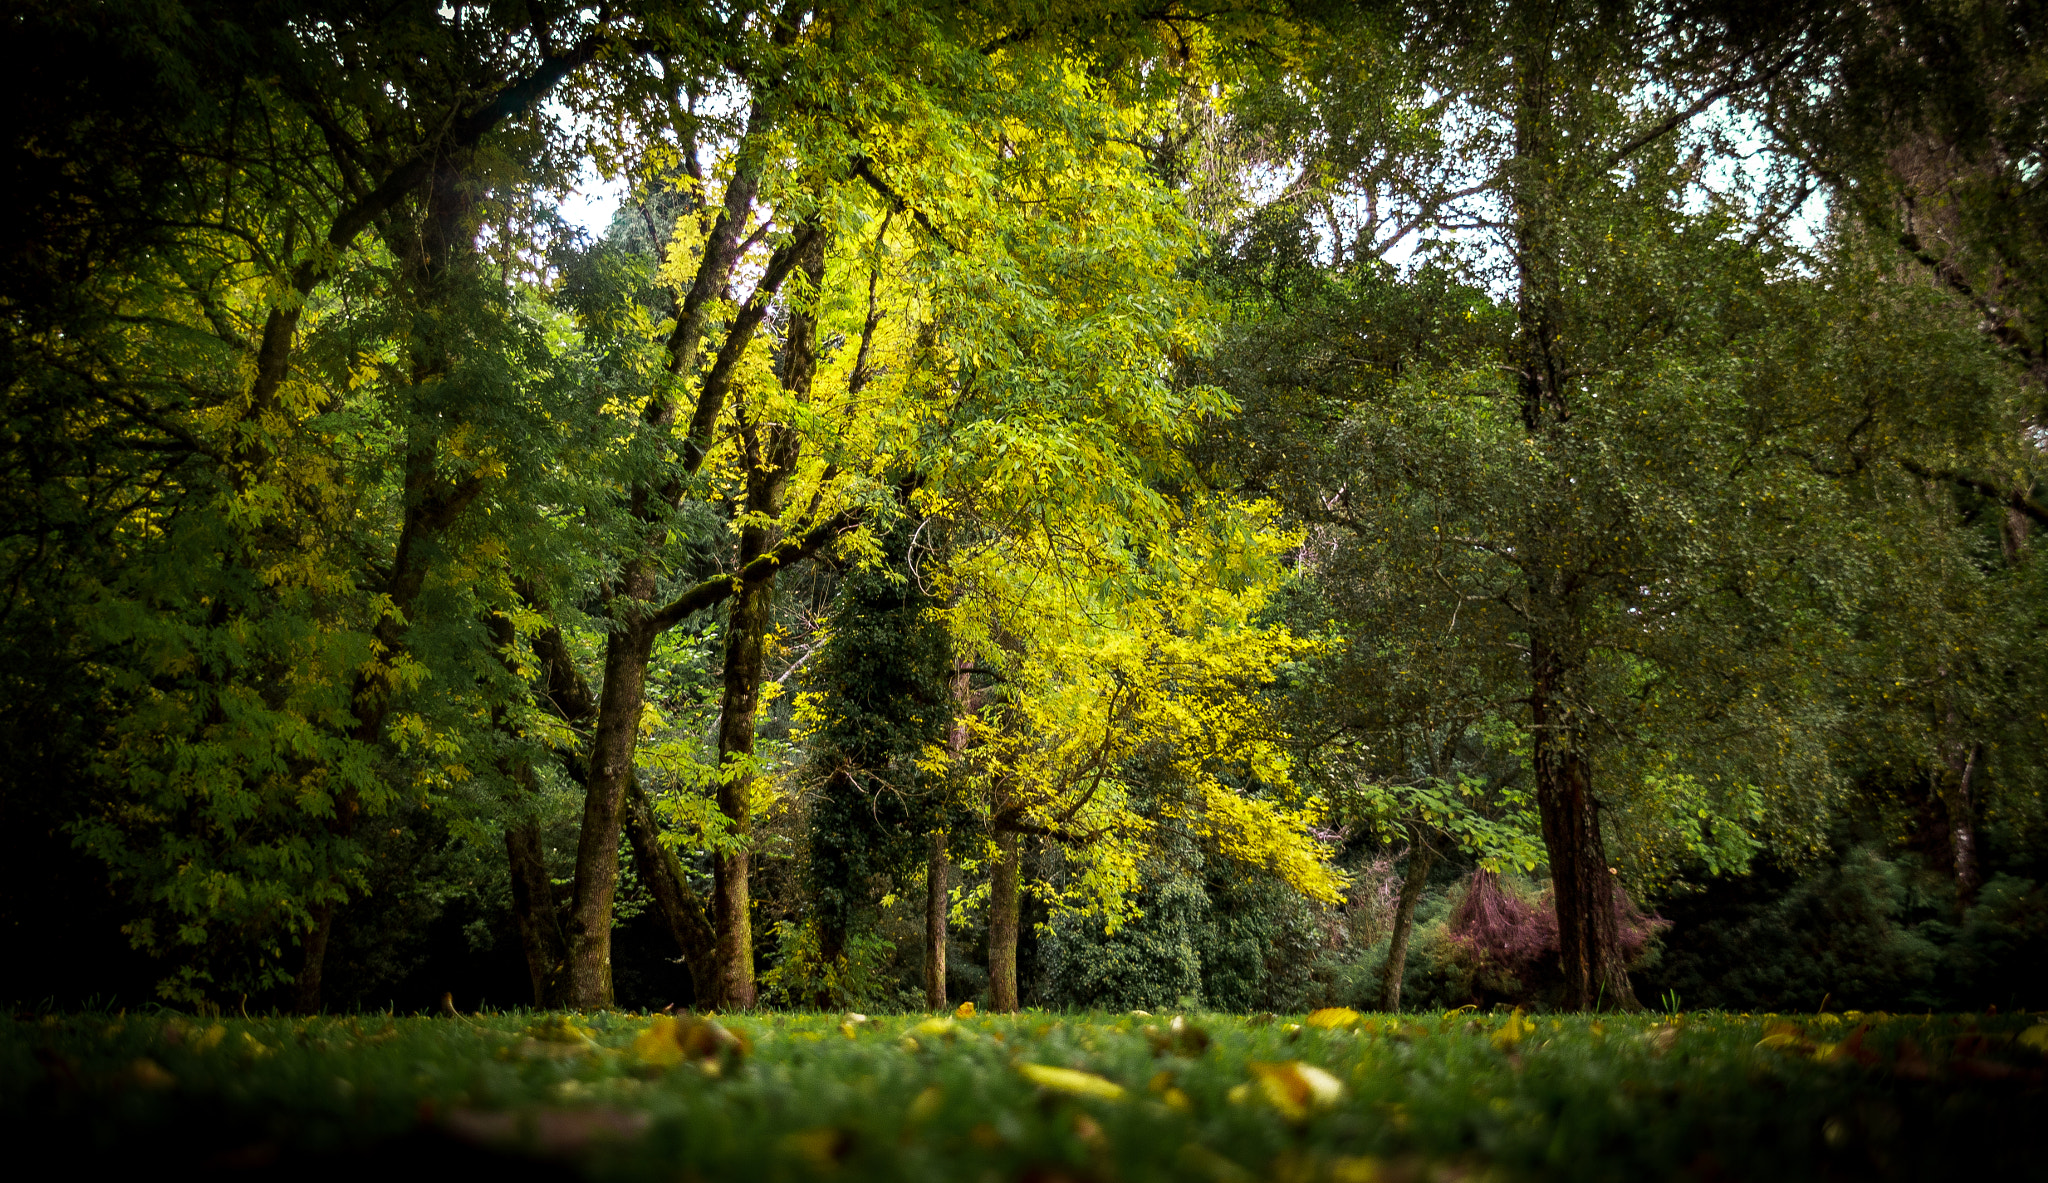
(1071,1081)
(1294,1088)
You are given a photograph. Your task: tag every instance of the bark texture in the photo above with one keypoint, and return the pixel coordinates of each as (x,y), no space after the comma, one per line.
(1420,859)
(1588,925)
(589,928)
(1004,906)
(935,901)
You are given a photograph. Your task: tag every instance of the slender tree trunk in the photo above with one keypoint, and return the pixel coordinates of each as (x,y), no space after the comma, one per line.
(306,987)
(1955,777)
(746,644)
(935,901)
(771,451)
(1420,859)
(533,907)
(681,911)
(433,265)
(1004,905)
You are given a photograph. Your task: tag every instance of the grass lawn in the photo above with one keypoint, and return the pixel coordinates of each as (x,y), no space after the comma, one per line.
(1045,1097)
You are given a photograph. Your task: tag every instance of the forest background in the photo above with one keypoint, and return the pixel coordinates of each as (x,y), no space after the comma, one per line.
(1051,504)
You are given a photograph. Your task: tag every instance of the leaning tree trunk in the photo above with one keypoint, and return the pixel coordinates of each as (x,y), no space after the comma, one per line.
(1005,903)
(935,901)
(1420,859)
(674,899)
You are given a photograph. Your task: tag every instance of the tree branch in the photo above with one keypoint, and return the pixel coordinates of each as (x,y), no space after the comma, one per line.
(717,590)
(2011,498)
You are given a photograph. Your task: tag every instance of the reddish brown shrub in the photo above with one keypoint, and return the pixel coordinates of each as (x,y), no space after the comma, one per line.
(1506,934)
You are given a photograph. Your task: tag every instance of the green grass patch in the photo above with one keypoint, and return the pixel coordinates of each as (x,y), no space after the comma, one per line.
(759,1097)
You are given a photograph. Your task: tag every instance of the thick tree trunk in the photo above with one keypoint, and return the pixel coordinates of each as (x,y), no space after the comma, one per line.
(1420,859)
(681,911)
(589,930)
(935,902)
(1588,920)
(1004,905)
(533,907)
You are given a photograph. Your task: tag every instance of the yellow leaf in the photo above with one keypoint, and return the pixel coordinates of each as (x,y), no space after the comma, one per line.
(939,1026)
(210,1039)
(926,1105)
(965,1010)
(1513,1031)
(1332,1017)
(1071,1081)
(1294,1088)
(2036,1037)
(657,1045)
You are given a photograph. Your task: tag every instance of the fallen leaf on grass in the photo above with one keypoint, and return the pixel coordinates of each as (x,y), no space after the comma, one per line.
(147,1073)
(965,1010)
(1513,1031)
(1294,1088)
(1071,1081)
(669,1041)
(2035,1037)
(1332,1017)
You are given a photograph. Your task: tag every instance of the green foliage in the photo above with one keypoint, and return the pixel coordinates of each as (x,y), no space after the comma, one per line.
(1153,962)
(883,699)
(1865,930)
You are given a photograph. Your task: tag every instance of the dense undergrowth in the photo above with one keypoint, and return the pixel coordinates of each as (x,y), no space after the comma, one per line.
(1039,1096)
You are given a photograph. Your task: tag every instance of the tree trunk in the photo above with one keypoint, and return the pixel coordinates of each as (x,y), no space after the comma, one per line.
(1004,904)
(1420,859)
(432,502)
(935,902)
(681,911)
(620,703)
(1960,766)
(533,907)
(771,451)
(1588,921)
(306,987)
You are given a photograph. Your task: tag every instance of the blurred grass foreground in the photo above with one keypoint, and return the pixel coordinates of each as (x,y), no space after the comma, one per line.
(1333,1095)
